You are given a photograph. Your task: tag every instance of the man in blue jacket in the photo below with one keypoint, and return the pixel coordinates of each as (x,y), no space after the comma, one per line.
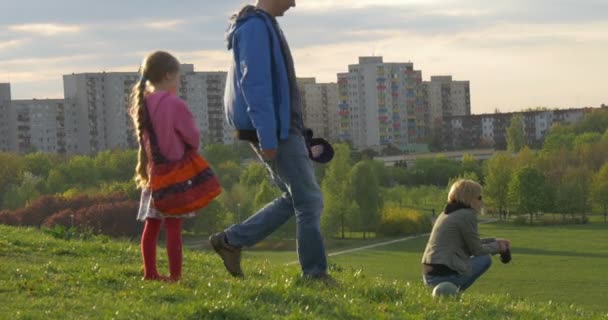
(263,104)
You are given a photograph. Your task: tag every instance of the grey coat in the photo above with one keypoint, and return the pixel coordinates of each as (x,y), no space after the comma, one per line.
(455,239)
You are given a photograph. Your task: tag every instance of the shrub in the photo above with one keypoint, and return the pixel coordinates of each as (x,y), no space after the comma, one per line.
(38,210)
(116,219)
(397,221)
(520,220)
(42,208)
(7,217)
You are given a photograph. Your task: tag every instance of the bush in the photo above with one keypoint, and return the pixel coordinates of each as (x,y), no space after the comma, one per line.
(39,211)
(520,220)
(8,218)
(116,219)
(112,219)
(397,221)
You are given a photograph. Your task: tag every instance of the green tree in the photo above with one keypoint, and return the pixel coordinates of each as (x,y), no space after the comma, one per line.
(470,164)
(81,171)
(211,218)
(238,200)
(381,172)
(334,189)
(596,121)
(587,139)
(498,171)
(265,194)
(127,188)
(216,154)
(11,172)
(19,195)
(116,164)
(228,172)
(553,163)
(527,191)
(366,193)
(575,190)
(599,189)
(469,175)
(526,157)
(516,138)
(39,163)
(559,137)
(57,181)
(432,171)
(254,174)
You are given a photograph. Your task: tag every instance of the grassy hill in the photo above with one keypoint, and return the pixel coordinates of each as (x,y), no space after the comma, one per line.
(565,264)
(46,278)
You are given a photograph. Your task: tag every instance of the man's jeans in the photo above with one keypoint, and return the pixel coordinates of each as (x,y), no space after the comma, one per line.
(480,265)
(293,173)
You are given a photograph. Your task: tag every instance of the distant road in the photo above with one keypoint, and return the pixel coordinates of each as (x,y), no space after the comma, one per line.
(381,244)
(410,159)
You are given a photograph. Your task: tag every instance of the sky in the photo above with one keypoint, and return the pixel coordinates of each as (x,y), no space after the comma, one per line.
(517,54)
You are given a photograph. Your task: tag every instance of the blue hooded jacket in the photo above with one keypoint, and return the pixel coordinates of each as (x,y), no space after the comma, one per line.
(257,95)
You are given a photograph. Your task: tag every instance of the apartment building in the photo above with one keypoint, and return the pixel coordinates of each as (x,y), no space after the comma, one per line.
(489,130)
(383,104)
(320,107)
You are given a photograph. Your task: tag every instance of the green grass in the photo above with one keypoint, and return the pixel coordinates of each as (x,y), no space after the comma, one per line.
(46,278)
(563,264)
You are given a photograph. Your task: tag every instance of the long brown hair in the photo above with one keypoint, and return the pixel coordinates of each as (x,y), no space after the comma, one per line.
(154,69)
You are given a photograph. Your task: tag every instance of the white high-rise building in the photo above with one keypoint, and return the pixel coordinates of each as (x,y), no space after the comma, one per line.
(320,107)
(447,98)
(220,131)
(97,111)
(36,125)
(383,104)
(204,93)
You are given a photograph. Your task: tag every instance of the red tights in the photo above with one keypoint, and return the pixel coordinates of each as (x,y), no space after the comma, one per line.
(149,240)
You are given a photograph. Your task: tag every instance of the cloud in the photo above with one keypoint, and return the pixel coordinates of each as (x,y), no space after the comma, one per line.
(169,24)
(205,60)
(504,47)
(323,5)
(10,44)
(510,66)
(45,29)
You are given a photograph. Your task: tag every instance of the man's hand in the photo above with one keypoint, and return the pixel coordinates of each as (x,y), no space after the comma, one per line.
(504,244)
(268,154)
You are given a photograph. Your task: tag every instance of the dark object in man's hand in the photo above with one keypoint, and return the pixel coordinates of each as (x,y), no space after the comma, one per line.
(505,257)
(319,150)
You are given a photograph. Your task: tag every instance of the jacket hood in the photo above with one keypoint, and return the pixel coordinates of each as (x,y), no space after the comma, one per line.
(237,18)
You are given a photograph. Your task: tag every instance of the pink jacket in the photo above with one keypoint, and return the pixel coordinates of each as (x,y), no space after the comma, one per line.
(173,124)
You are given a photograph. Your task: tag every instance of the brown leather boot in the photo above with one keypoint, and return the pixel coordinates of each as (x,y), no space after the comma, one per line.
(230,254)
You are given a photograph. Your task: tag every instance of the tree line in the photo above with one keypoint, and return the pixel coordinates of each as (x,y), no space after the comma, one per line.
(567,176)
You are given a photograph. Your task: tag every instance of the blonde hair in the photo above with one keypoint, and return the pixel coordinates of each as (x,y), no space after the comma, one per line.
(153,69)
(465,192)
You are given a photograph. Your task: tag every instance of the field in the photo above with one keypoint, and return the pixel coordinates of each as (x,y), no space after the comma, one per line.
(563,264)
(42,277)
